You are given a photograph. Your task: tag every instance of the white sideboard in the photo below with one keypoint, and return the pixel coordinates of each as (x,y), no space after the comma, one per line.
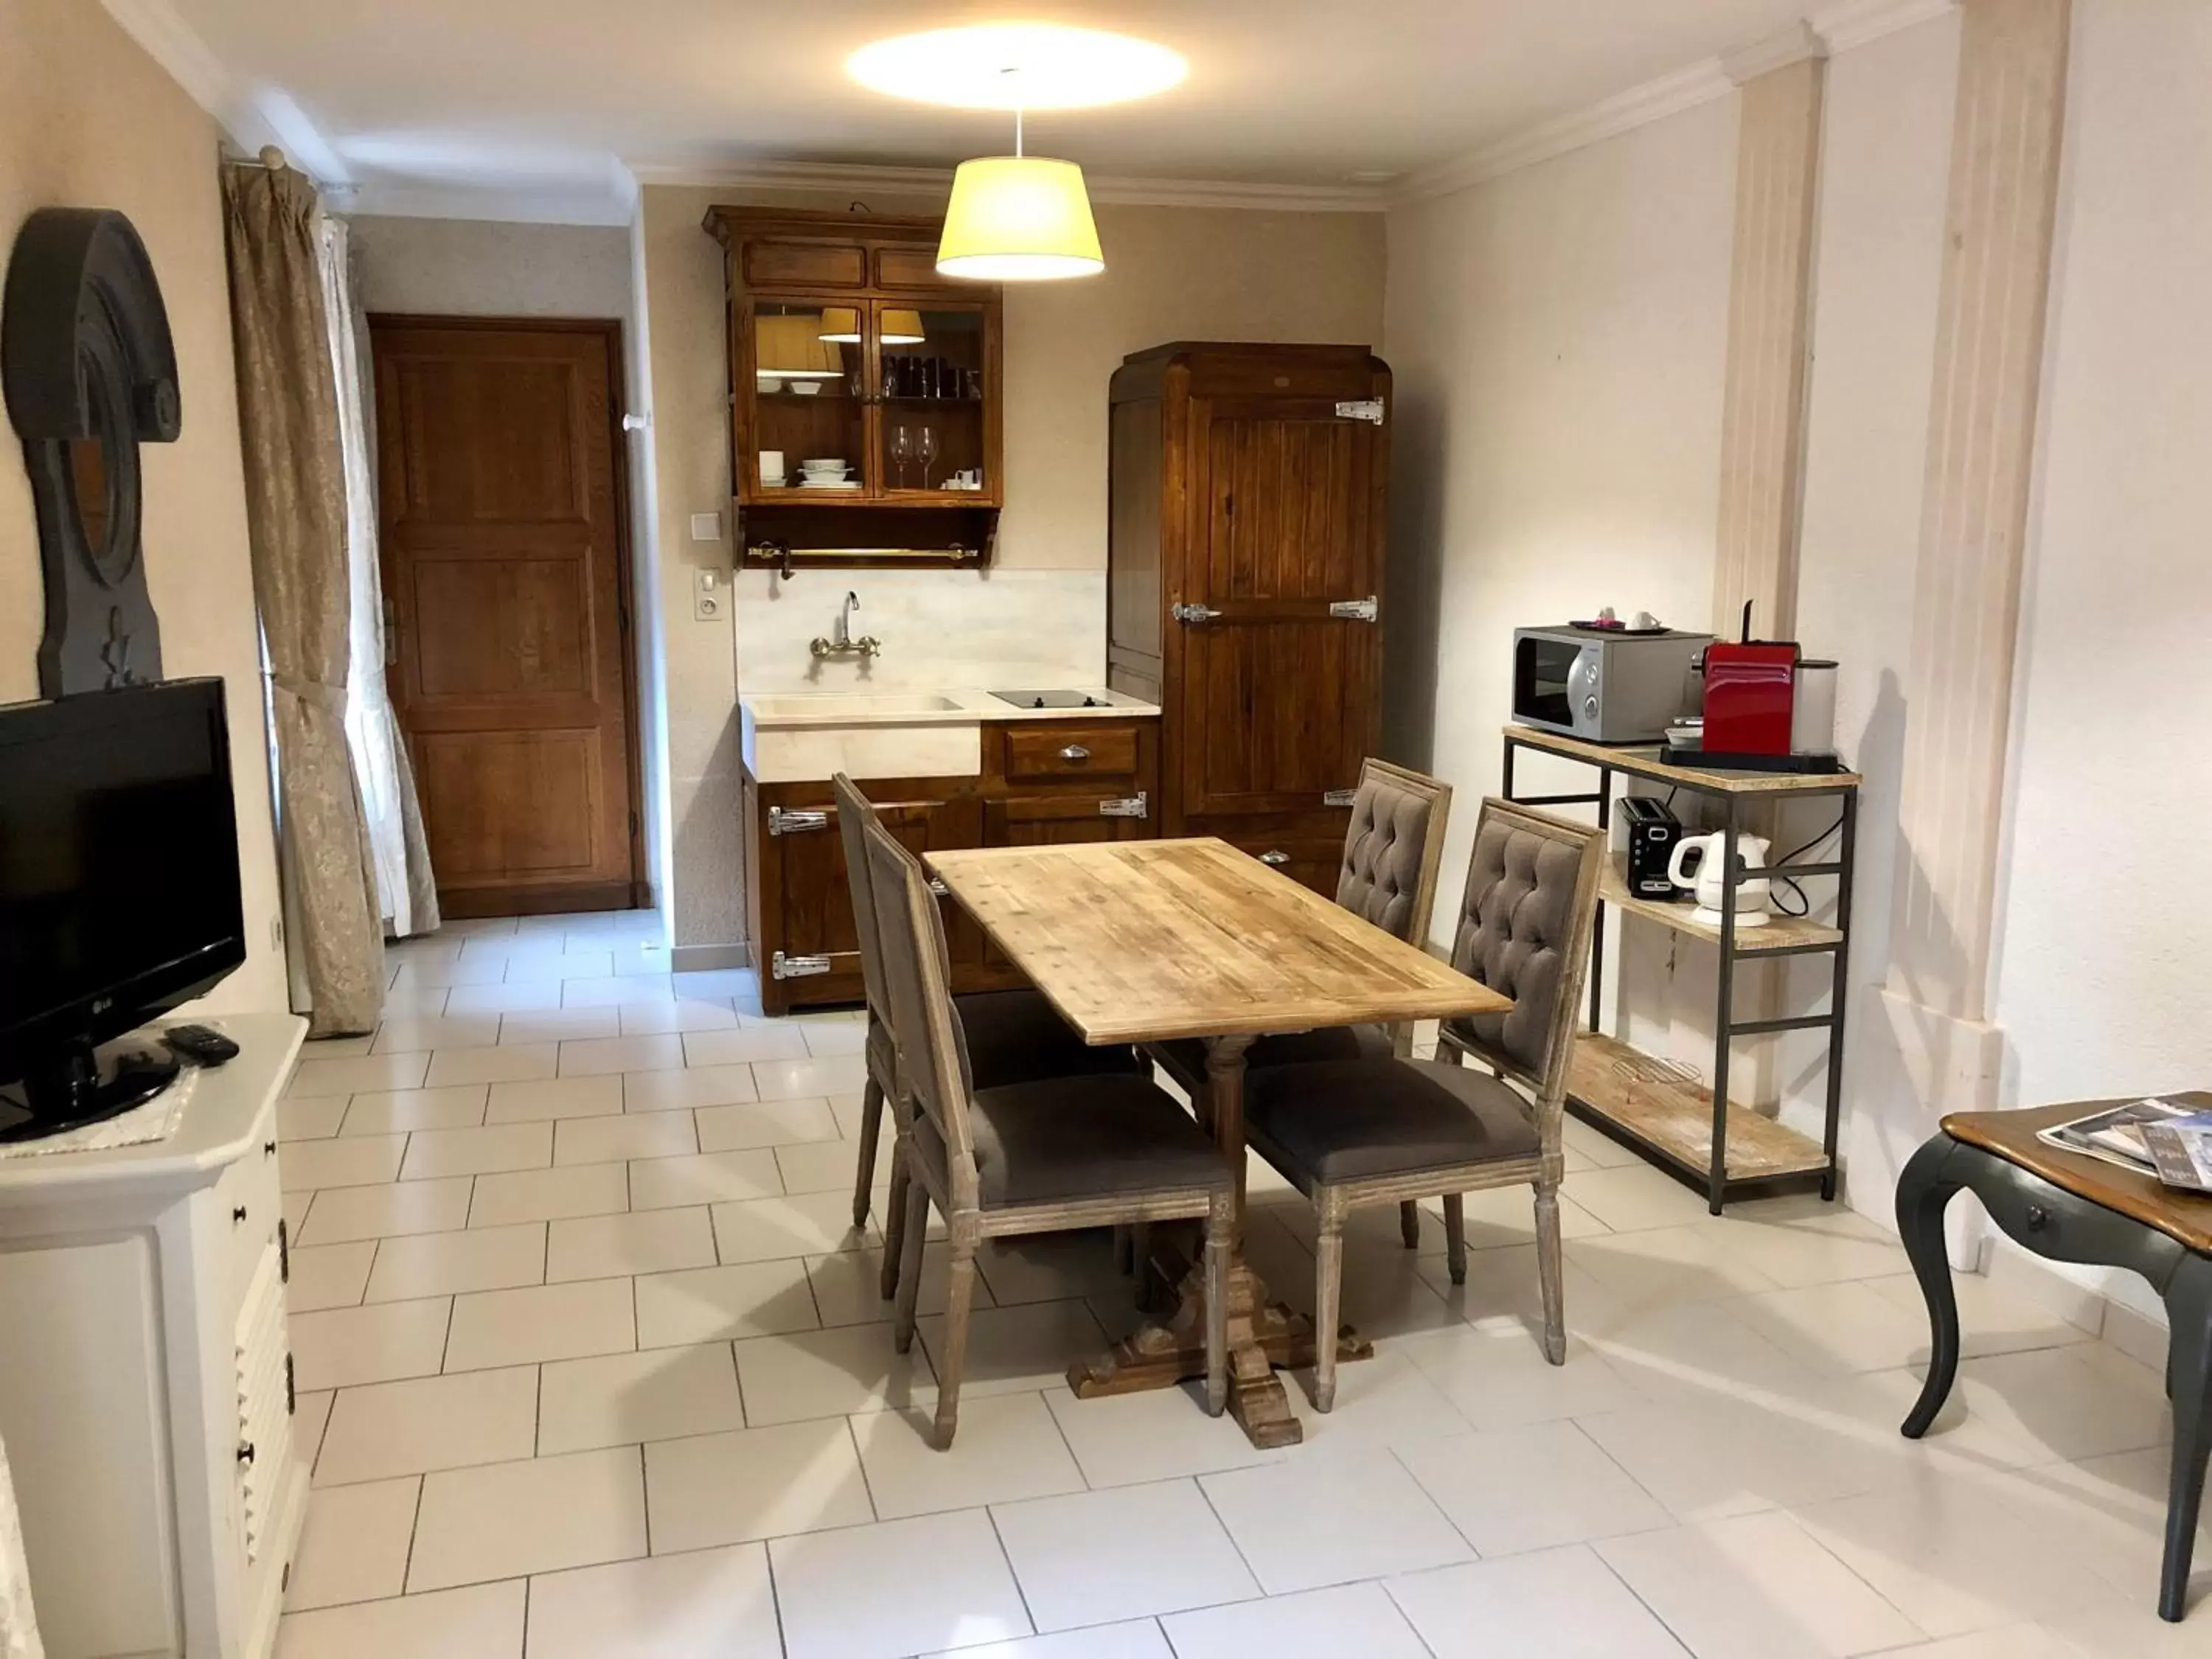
(145,1386)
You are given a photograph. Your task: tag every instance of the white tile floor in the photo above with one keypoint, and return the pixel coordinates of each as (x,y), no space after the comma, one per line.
(595,1365)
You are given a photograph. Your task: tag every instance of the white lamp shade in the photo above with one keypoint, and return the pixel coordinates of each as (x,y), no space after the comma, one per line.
(1018,219)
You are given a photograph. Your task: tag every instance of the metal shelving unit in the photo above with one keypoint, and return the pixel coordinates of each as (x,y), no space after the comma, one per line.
(1690,1131)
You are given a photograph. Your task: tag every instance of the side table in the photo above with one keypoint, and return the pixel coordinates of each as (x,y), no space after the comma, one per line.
(2067,1207)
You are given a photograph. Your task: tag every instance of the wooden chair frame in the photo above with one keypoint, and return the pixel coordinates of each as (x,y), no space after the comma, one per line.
(1546,1108)
(954,1187)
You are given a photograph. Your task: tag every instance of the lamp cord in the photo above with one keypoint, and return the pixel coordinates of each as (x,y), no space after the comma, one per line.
(1017,134)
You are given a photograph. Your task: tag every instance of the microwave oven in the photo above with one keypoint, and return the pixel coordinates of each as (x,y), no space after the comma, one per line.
(1604,686)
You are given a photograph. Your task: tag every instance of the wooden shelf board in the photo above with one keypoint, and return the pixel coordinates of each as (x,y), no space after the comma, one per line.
(1642,761)
(1630,1089)
(1780,933)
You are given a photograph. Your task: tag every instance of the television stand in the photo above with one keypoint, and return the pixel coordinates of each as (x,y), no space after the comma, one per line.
(75,1090)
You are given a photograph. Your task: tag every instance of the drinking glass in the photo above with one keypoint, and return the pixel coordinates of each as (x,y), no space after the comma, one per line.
(903,452)
(927,450)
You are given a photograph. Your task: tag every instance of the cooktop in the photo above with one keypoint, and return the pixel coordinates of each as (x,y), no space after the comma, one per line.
(1053,699)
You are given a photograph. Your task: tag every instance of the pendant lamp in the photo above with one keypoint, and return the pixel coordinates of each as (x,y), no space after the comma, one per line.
(1018,219)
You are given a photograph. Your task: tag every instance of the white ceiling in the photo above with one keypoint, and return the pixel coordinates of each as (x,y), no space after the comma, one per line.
(561,98)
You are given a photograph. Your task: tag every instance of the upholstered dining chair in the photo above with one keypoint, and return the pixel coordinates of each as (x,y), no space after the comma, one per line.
(1089,1151)
(1013,1035)
(1353,1133)
(1392,849)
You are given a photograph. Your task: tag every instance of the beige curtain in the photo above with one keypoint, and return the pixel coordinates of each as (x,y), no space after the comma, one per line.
(296,526)
(19,1625)
(407,891)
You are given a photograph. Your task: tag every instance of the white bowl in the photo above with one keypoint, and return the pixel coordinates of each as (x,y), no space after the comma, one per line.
(807,388)
(822,464)
(767,382)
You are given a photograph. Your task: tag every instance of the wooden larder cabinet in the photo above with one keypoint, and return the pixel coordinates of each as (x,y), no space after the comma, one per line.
(1245,584)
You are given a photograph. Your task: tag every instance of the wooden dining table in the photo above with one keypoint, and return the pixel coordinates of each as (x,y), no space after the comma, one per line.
(1146,942)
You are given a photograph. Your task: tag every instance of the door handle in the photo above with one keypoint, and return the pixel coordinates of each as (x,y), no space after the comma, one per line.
(1194,613)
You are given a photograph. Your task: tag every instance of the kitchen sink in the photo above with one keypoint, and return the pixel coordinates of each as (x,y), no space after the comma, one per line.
(834,703)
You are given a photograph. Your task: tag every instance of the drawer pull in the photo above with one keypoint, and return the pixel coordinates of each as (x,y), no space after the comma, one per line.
(268,1149)
(1276,857)
(245,1454)
(2037,1217)
(1075,751)
(238,1215)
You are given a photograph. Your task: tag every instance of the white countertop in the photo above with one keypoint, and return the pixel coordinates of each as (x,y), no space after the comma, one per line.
(956,705)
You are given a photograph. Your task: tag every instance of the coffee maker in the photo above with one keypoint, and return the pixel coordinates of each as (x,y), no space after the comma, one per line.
(1752,722)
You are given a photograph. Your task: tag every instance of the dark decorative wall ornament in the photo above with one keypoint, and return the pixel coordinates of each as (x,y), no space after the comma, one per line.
(89,372)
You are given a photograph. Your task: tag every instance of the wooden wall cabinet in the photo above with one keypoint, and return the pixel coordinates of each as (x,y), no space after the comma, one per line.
(1245,557)
(845,344)
(1035,788)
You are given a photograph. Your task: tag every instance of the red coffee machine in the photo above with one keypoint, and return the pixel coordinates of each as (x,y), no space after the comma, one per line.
(1751,696)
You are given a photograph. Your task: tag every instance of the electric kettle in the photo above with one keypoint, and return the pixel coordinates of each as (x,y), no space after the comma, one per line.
(1697,864)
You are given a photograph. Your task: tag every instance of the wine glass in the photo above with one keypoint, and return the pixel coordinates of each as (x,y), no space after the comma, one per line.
(927,450)
(901,452)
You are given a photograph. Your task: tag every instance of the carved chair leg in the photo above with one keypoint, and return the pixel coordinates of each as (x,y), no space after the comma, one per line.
(1409,1224)
(1220,1230)
(959,1297)
(1548,1273)
(1922,1194)
(895,1218)
(2189,1371)
(909,1285)
(1329,1292)
(871,1125)
(1456,1236)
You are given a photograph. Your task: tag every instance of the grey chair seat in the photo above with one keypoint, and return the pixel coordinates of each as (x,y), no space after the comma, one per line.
(1341,1120)
(1070,1137)
(1185,1057)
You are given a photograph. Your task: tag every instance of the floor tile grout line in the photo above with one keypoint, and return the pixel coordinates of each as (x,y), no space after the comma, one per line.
(991,1519)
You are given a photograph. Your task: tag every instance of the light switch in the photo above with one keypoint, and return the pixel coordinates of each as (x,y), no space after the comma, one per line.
(710,594)
(706,526)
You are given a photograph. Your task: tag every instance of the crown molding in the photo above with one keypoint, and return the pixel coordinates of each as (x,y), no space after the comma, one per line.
(936,182)
(1654,101)
(589,205)
(1795,45)
(1855,22)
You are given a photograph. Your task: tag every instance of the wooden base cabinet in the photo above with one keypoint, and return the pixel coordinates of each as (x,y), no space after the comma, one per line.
(1043,783)
(1245,553)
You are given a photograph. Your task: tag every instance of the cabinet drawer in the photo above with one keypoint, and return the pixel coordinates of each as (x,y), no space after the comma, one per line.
(1079,749)
(814,265)
(251,1185)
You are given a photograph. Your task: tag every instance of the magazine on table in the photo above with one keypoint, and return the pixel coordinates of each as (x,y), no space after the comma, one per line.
(2150,1136)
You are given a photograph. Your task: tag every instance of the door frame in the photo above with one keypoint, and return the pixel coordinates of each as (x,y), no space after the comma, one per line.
(609,329)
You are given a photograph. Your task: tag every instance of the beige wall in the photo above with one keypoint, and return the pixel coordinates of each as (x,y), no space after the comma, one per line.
(1172,273)
(86,119)
(486,268)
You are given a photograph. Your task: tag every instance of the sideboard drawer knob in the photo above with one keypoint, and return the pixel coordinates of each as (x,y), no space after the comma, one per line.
(238,1215)
(2037,1216)
(1075,753)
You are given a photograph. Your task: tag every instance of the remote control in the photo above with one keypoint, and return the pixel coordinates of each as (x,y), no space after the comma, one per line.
(201,1044)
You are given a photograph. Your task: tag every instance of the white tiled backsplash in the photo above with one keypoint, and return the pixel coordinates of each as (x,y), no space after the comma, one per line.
(987,628)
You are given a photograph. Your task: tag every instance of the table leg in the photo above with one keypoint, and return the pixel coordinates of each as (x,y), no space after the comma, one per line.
(1922,1194)
(1262,1335)
(2189,1380)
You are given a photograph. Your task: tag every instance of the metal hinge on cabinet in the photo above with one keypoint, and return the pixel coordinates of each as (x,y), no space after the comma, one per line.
(783,967)
(1366,409)
(1194,613)
(781,823)
(1339,797)
(1364,609)
(1129,806)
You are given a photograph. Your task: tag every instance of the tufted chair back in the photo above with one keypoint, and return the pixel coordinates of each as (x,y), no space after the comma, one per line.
(1391,851)
(1524,929)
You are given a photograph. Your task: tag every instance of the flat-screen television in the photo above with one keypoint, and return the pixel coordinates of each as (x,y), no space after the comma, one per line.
(118,889)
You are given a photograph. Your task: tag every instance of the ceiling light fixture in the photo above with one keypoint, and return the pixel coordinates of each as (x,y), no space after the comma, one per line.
(1018,218)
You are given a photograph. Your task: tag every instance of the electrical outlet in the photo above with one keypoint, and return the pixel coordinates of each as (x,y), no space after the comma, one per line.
(710,594)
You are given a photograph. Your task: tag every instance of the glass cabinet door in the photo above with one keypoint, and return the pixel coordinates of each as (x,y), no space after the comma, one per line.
(809,399)
(933,380)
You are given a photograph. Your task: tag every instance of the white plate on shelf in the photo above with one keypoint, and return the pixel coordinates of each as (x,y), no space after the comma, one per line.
(830,483)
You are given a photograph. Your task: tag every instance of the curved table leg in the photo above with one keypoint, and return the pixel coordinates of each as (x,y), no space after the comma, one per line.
(2189,1380)
(1923,1192)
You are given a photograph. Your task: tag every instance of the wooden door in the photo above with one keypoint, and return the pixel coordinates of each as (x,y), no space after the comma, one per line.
(505,564)
(1279,699)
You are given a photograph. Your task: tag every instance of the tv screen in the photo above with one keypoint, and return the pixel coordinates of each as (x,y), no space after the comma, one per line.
(118,865)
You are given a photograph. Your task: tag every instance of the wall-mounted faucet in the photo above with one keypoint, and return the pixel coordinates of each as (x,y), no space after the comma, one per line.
(842,642)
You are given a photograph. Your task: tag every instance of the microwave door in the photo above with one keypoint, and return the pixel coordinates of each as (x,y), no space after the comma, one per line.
(1542,674)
